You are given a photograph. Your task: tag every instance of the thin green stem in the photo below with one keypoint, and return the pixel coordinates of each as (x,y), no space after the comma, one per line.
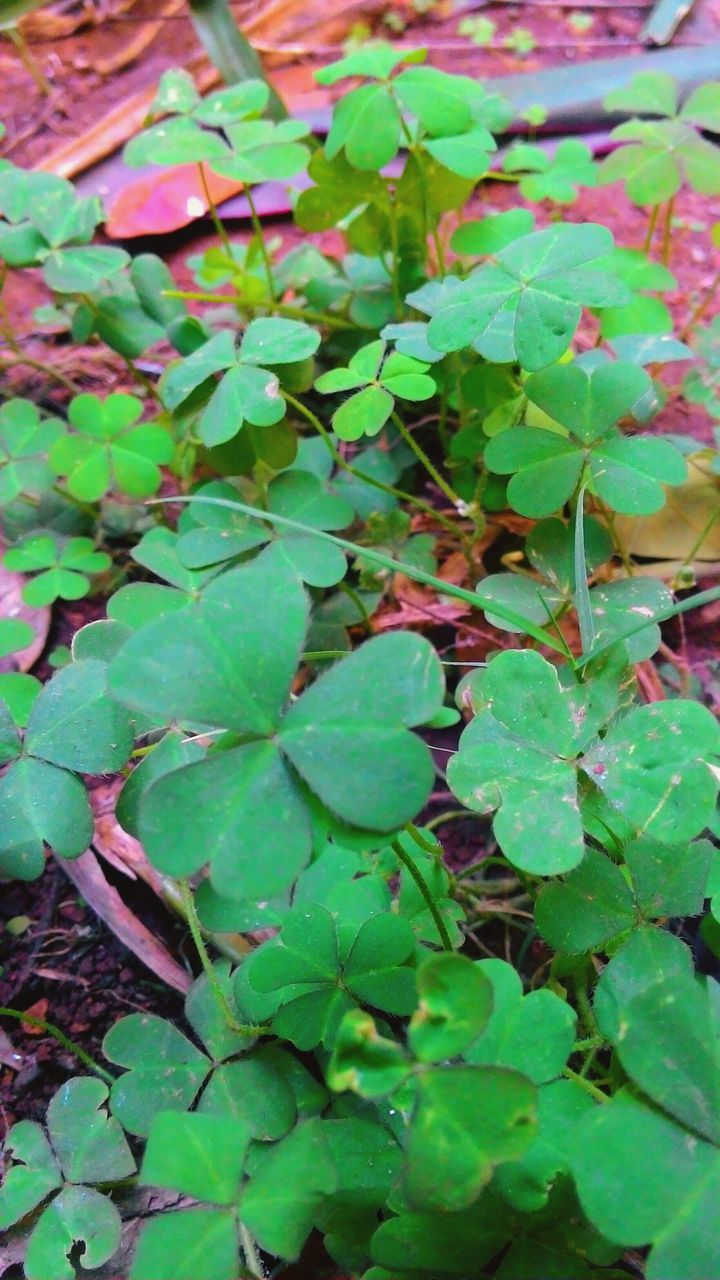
(709,523)
(423,459)
(360,475)
(439,251)
(587,1085)
(62,1039)
(591,1042)
(282,308)
(359,603)
(209,969)
(430,902)
(452,815)
(321,655)
(257,228)
(654,214)
(434,849)
(395,273)
(214,215)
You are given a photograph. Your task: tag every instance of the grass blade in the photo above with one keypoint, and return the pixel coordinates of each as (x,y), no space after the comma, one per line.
(474,598)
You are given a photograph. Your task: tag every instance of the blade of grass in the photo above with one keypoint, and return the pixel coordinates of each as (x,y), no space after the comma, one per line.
(473,598)
(663,615)
(229,49)
(582,592)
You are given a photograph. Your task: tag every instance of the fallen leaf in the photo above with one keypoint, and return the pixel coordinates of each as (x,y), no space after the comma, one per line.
(86,874)
(37,1010)
(165,201)
(13,606)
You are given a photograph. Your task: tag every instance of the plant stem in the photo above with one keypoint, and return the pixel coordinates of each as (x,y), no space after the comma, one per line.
(422,843)
(395,271)
(451,816)
(654,214)
(215,216)
(282,308)
(701,308)
(252,1258)
(257,228)
(62,1039)
(422,457)
(424,890)
(667,231)
(221,999)
(29,61)
(360,475)
(590,1088)
(7,363)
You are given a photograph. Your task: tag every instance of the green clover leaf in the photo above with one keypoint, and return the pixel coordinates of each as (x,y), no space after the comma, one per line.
(592,905)
(662,1022)
(72,726)
(533,1034)
(251,150)
(376,379)
(518,756)
(165,1070)
(45,221)
(555,177)
(84,1145)
(492,1113)
(228,660)
(455,1005)
(25,441)
(632,1141)
(527,305)
(249,391)
(547,468)
(452,114)
(109,451)
(656,768)
(311,980)
(264,151)
(645,312)
(221,534)
(662,154)
(489,235)
(61,569)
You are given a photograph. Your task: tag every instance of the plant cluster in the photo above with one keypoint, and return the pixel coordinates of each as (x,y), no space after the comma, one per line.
(328,423)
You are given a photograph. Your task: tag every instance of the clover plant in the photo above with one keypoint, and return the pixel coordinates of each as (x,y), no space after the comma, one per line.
(392,583)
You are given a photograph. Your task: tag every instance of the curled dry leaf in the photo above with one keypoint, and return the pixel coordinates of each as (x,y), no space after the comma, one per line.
(86,874)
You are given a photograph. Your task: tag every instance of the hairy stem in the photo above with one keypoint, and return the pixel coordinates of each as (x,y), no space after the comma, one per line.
(209,969)
(423,459)
(430,902)
(62,1039)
